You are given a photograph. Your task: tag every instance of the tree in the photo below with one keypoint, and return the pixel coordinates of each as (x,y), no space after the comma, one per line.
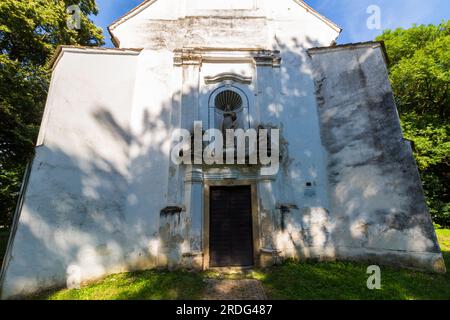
(30,31)
(420,74)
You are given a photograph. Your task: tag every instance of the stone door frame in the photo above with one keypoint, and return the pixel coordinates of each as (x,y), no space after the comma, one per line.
(255,217)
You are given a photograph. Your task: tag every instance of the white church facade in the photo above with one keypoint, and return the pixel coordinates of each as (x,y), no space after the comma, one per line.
(103,194)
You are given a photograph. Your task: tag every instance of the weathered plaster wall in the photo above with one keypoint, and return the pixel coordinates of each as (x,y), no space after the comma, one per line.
(74,206)
(175,24)
(105,169)
(104,196)
(281,97)
(378,210)
(149,158)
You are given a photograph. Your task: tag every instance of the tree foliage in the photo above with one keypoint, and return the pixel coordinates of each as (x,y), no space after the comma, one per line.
(420,75)
(30,31)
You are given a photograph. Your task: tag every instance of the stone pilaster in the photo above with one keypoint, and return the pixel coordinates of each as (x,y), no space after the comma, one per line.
(194,210)
(269,221)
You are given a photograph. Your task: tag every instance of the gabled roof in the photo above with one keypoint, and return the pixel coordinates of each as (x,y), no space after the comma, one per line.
(373,44)
(318,15)
(130,14)
(72,48)
(146,3)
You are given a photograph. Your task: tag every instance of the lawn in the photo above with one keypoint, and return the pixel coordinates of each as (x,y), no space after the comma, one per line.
(343,280)
(143,285)
(291,280)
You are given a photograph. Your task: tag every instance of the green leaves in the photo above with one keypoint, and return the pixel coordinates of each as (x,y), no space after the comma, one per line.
(403,44)
(431,137)
(420,76)
(421,82)
(30,31)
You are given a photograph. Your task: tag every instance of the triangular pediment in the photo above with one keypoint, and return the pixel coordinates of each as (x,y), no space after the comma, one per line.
(174,9)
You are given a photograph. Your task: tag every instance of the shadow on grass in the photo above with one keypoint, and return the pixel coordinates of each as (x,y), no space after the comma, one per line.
(292,281)
(142,285)
(347,281)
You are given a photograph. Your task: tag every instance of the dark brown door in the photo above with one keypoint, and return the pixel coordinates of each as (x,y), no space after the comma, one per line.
(230,230)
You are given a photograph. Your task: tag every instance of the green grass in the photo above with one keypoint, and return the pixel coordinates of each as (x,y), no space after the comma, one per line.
(291,280)
(444,240)
(143,285)
(343,280)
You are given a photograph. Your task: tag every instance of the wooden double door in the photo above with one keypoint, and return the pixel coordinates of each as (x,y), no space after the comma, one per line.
(230,230)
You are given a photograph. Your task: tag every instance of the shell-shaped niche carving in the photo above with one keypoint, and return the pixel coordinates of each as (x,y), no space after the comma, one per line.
(228,100)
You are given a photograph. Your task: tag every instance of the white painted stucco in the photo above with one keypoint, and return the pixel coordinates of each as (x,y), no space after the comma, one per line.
(102,172)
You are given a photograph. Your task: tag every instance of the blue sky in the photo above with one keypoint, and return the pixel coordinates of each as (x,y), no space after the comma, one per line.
(351,15)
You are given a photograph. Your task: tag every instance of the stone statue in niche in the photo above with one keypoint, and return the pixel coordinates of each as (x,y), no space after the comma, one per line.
(230,119)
